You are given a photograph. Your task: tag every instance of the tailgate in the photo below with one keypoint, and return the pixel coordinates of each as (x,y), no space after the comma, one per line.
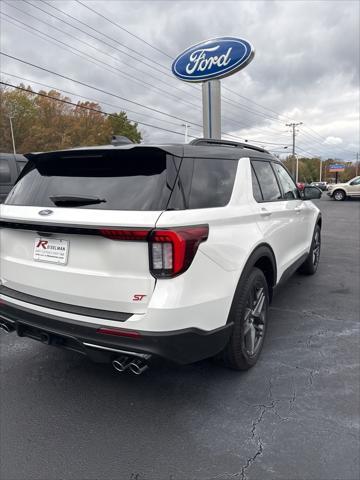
(72,267)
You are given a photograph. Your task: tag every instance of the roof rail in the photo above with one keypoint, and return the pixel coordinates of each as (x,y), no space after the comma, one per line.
(120,140)
(225,143)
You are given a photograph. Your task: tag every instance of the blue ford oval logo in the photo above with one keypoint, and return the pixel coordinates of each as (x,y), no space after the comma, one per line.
(44,213)
(215,58)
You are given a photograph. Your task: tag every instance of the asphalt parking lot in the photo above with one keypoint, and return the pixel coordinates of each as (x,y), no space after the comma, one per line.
(294,416)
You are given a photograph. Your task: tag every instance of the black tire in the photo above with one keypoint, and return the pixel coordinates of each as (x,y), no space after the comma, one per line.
(339,195)
(311,264)
(249,329)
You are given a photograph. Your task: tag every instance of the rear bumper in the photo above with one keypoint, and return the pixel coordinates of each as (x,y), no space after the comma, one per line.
(181,346)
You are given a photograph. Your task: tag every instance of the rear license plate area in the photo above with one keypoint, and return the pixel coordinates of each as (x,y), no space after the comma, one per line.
(51,250)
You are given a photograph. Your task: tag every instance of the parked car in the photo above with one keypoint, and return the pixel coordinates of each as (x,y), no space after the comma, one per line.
(129,253)
(10,168)
(340,191)
(322,185)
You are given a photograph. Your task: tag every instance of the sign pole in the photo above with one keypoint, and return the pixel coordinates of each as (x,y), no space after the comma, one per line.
(211,95)
(207,62)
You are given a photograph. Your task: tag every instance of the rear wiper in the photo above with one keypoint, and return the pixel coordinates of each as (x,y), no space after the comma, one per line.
(74,200)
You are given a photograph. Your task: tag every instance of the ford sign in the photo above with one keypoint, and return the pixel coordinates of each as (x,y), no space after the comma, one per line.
(215,58)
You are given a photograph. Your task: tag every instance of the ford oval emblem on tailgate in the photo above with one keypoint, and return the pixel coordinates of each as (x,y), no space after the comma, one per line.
(46,212)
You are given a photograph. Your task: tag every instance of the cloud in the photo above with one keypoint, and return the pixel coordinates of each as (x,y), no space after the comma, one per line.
(306,66)
(333,141)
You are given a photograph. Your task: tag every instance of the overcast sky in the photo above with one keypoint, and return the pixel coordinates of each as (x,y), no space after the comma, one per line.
(306,66)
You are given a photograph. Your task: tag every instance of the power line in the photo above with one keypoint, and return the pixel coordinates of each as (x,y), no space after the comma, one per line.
(115,106)
(151,45)
(93,59)
(324,139)
(101,33)
(314,154)
(89,44)
(93,36)
(124,29)
(125,109)
(68,102)
(253,141)
(90,99)
(130,33)
(231,103)
(98,89)
(255,103)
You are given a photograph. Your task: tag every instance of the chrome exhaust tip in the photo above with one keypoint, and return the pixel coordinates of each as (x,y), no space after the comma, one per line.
(138,366)
(6,328)
(122,363)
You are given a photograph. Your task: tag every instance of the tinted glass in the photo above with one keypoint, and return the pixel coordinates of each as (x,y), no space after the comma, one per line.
(288,186)
(5,174)
(256,187)
(126,180)
(355,182)
(212,182)
(267,180)
(20,165)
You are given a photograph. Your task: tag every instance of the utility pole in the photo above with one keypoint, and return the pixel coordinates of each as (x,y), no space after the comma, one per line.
(12,134)
(293,126)
(320,169)
(357,164)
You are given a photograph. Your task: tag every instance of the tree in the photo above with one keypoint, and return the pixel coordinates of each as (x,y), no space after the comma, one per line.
(309,169)
(44,121)
(120,125)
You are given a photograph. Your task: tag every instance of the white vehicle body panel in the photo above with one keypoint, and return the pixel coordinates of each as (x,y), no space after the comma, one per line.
(100,273)
(106,274)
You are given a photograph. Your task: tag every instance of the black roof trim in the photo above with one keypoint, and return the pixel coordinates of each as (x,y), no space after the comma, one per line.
(202,148)
(224,143)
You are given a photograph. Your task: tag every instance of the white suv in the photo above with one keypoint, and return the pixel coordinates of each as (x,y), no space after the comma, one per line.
(340,191)
(130,253)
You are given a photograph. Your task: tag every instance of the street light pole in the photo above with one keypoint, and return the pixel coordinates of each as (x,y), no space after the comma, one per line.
(12,134)
(320,173)
(187,126)
(357,164)
(297,169)
(293,126)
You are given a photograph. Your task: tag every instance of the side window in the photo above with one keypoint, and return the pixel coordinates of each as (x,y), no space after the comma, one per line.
(287,183)
(5,172)
(20,165)
(355,182)
(256,187)
(267,180)
(212,182)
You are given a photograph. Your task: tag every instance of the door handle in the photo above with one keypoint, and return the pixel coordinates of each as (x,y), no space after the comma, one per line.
(297,209)
(265,213)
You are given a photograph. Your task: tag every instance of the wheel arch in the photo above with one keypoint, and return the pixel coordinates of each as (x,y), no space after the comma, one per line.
(262,257)
(319,220)
(339,189)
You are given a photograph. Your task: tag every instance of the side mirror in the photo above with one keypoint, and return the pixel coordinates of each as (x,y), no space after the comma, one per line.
(310,193)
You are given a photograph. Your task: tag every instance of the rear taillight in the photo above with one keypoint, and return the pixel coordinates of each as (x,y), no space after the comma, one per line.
(171,251)
(129,235)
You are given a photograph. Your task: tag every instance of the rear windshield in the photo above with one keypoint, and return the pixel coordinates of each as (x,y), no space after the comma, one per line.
(136,179)
(130,181)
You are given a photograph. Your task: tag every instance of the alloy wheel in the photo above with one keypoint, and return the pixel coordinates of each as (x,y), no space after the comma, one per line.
(254,321)
(316,248)
(339,195)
